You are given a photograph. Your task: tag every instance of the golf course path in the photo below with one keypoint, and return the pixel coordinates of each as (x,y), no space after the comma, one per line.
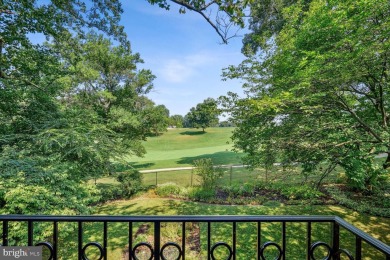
(167,169)
(185,168)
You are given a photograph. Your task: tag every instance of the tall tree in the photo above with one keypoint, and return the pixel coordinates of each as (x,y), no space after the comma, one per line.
(106,81)
(176,120)
(204,115)
(156,119)
(67,106)
(321,94)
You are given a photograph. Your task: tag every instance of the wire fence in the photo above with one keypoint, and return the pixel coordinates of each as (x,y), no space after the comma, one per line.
(232,174)
(188,177)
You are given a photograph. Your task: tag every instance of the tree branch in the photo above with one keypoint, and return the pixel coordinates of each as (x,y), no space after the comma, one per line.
(381,98)
(207,18)
(367,127)
(1,57)
(28,82)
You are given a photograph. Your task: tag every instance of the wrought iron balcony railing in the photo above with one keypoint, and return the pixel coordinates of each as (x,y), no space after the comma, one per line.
(343,239)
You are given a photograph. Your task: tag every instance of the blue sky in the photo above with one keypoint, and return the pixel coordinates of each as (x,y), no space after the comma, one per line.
(183,51)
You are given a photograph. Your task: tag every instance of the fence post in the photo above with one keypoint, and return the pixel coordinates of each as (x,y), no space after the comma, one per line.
(156,179)
(192,173)
(231,173)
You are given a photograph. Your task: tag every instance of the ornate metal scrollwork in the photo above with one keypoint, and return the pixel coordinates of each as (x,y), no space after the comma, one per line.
(345,252)
(149,246)
(318,244)
(330,251)
(96,244)
(48,246)
(224,245)
(268,244)
(170,244)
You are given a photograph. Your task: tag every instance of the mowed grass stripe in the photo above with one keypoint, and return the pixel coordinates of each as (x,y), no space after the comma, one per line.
(158,155)
(188,138)
(180,147)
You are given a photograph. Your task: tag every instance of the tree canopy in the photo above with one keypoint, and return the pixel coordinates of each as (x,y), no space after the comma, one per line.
(68,106)
(204,115)
(318,91)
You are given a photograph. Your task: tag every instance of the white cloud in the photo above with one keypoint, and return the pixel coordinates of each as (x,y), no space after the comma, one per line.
(175,71)
(180,70)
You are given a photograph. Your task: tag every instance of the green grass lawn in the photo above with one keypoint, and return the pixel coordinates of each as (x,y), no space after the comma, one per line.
(246,233)
(181,146)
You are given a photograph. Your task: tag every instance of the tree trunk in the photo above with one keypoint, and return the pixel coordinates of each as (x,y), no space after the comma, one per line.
(1,55)
(386,165)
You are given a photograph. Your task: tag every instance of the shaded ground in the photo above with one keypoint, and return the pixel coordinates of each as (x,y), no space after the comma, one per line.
(271,195)
(375,226)
(145,234)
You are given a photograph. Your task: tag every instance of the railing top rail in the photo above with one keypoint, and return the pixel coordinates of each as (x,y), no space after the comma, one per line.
(181,218)
(369,239)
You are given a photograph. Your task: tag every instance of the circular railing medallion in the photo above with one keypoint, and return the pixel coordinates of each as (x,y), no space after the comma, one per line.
(135,248)
(344,252)
(221,244)
(320,244)
(95,244)
(268,244)
(171,244)
(48,246)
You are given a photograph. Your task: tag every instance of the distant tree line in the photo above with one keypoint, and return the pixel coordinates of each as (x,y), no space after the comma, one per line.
(203,115)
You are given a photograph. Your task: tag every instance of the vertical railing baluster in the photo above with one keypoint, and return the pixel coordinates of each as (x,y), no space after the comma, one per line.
(258,239)
(336,238)
(157,236)
(284,240)
(30,232)
(130,240)
(55,239)
(183,241)
(208,240)
(358,248)
(5,233)
(105,239)
(234,239)
(308,240)
(80,239)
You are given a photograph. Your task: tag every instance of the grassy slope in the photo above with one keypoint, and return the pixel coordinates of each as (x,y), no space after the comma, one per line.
(375,226)
(180,147)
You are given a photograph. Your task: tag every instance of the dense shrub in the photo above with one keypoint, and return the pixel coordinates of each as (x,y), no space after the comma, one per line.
(200,194)
(303,192)
(170,189)
(360,205)
(130,182)
(2,199)
(109,192)
(38,200)
(245,189)
(208,173)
